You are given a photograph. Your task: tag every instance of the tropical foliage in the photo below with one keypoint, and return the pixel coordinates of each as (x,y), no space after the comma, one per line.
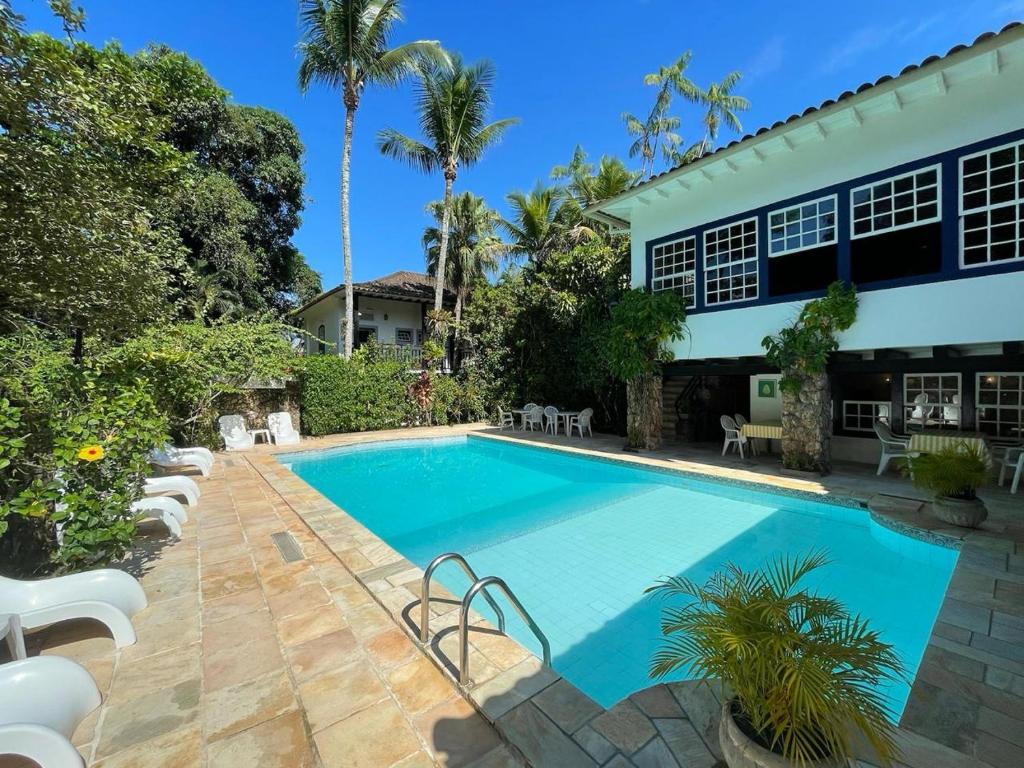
(956,472)
(345,46)
(453,101)
(805,674)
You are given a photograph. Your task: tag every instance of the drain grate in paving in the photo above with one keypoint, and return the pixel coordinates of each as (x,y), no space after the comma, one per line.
(287,546)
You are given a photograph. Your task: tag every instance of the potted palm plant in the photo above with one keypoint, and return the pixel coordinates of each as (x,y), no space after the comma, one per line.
(954,475)
(799,674)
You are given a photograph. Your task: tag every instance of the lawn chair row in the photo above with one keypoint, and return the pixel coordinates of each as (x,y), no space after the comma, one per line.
(238,438)
(45,698)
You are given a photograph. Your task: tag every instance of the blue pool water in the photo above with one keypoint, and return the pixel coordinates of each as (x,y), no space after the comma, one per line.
(579,540)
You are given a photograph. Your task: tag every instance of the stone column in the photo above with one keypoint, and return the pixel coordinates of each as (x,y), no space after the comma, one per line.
(807,426)
(643,412)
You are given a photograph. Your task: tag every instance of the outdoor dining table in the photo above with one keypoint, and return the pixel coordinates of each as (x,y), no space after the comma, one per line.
(934,441)
(567,415)
(767,430)
(521,413)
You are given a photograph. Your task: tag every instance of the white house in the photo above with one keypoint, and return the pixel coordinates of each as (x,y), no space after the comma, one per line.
(912,188)
(391,310)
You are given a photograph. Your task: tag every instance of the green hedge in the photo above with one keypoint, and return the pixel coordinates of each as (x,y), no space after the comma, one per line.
(359,395)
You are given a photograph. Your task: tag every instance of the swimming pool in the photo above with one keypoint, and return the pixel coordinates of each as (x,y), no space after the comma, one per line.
(579,539)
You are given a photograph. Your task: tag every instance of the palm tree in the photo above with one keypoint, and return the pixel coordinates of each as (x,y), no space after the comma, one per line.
(211,297)
(542,223)
(588,185)
(669,80)
(453,102)
(344,46)
(722,106)
(649,133)
(473,247)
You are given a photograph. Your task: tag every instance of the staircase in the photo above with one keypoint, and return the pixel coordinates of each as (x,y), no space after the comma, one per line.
(671,389)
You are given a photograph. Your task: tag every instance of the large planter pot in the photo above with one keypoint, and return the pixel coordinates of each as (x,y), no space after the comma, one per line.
(740,751)
(967,513)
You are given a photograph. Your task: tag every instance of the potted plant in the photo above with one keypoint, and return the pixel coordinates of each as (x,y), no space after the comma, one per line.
(954,475)
(799,674)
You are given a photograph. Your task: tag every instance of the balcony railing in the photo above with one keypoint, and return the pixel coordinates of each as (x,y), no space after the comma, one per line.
(411,355)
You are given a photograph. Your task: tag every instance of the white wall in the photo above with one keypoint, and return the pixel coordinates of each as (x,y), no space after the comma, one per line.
(765,408)
(330,312)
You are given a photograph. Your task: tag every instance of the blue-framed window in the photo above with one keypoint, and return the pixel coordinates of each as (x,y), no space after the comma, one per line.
(992,206)
(898,202)
(674,267)
(801,227)
(730,263)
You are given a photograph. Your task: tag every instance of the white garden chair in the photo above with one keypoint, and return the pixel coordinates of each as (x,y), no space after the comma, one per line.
(45,699)
(169,511)
(740,420)
(551,419)
(581,422)
(236,437)
(922,412)
(533,418)
(107,595)
(1012,459)
(733,436)
(178,485)
(951,412)
(893,446)
(281,430)
(506,418)
(171,457)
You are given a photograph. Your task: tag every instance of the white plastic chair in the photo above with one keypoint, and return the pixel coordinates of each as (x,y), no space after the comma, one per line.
(1013,460)
(505,418)
(921,414)
(733,436)
(179,485)
(893,447)
(533,418)
(45,698)
(551,419)
(281,430)
(107,595)
(581,422)
(170,457)
(164,508)
(236,436)
(951,413)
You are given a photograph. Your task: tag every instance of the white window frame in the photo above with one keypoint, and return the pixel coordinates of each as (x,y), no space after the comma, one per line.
(754,259)
(989,207)
(908,403)
(681,273)
(892,180)
(835,226)
(858,415)
(978,405)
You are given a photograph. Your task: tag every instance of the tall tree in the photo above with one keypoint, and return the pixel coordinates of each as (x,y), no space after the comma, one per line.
(539,224)
(585,185)
(649,133)
(473,248)
(721,106)
(453,100)
(671,80)
(344,46)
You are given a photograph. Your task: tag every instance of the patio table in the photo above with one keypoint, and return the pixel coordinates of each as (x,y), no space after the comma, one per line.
(768,430)
(933,442)
(521,413)
(258,433)
(567,415)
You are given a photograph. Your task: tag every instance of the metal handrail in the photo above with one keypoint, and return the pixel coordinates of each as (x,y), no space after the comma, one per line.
(479,586)
(425,592)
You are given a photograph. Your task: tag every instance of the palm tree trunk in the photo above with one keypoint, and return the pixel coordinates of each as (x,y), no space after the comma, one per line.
(458,307)
(346,242)
(442,256)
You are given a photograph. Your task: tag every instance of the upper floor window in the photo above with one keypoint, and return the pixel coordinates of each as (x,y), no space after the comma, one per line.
(992,205)
(673,266)
(730,263)
(901,201)
(803,226)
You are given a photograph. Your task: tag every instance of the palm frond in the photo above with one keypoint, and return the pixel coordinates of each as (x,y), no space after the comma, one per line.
(398,146)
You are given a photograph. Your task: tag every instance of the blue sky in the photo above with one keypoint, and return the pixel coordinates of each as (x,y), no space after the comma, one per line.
(567,68)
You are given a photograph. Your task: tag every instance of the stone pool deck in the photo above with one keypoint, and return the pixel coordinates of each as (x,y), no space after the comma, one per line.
(245,659)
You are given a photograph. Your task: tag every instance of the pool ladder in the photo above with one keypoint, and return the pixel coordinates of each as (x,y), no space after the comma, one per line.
(479,585)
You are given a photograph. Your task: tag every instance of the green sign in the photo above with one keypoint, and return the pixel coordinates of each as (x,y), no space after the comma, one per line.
(766,388)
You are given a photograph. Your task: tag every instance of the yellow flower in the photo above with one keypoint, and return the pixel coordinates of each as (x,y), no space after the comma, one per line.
(91,453)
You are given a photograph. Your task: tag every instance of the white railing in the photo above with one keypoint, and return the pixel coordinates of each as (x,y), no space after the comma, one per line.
(861,415)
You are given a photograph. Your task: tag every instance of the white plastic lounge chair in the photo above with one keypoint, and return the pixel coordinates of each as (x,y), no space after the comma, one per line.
(533,418)
(45,698)
(170,457)
(179,485)
(551,419)
(1013,460)
(281,430)
(893,447)
(733,436)
(106,595)
(236,436)
(581,422)
(163,508)
(506,418)
(10,630)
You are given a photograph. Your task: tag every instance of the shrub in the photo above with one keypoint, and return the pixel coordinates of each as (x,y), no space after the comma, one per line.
(802,670)
(955,472)
(341,395)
